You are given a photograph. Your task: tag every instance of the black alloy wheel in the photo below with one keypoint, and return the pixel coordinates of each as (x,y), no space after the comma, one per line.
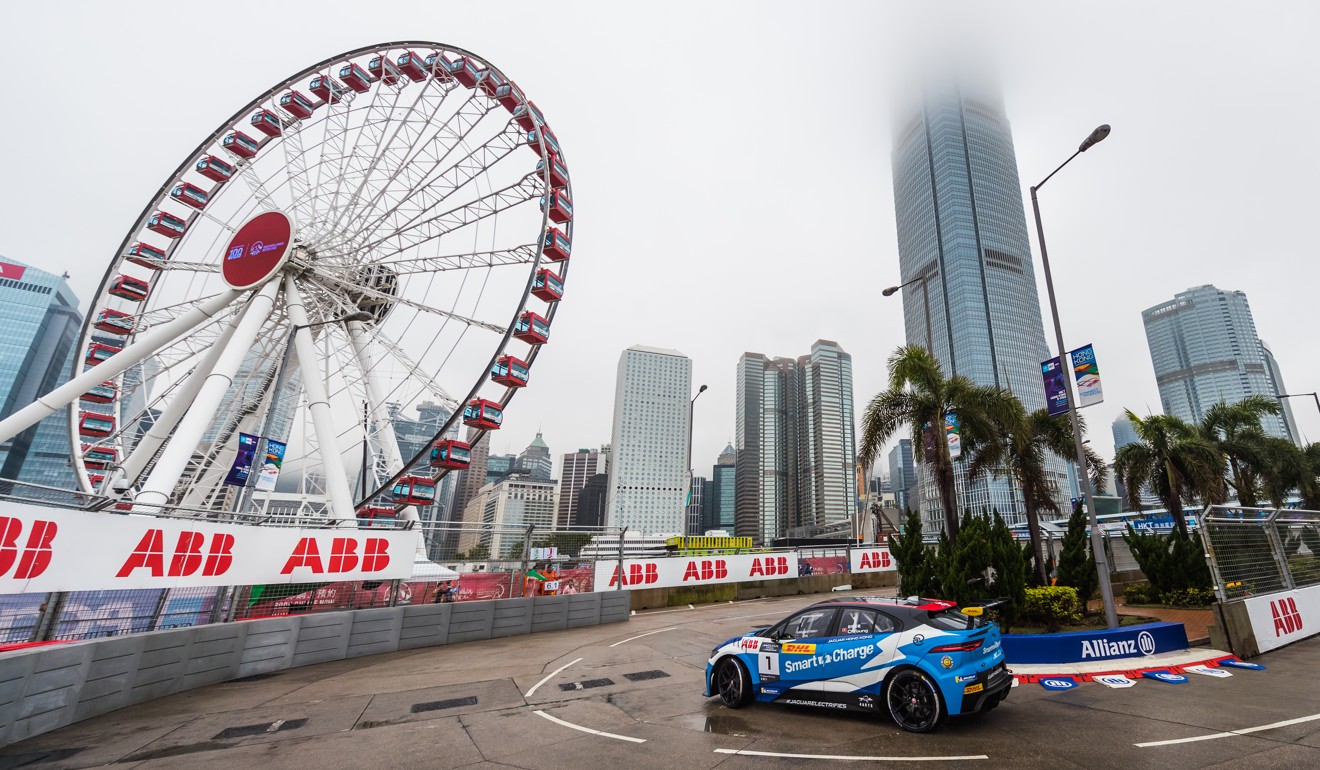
(733,683)
(914,701)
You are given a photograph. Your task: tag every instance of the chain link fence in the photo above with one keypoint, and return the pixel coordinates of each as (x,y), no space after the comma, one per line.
(1256,551)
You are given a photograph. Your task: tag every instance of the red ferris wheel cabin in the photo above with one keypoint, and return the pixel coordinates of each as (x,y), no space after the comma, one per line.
(130,288)
(267,122)
(370,513)
(99,458)
(98,352)
(327,89)
(166,224)
(355,77)
(480,413)
(213,168)
(556,245)
(101,394)
(469,73)
(114,322)
(548,286)
(412,65)
(510,371)
(451,453)
(96,425)
(414,490)
(189,195)
(297,105)
(146,255)
(240,144)
(558,171)
(532,329)
(382,69)
(561,208)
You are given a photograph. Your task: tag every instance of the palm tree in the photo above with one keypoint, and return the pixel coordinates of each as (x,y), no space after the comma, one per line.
(920,396)
(1174,458)
(1020,453)
(1234,430)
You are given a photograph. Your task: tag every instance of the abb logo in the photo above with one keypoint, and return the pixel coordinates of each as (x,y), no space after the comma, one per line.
(875,559)
(637,574)
(185,558)
(706,569)
(769,566)
(1287,619)
(34,557)
(343,556)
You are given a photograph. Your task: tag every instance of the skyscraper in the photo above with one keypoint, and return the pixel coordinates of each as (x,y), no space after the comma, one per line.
(412,436)
(535,459)
(1204,348)
(962,237)
(795,445)
(902,475)
(648,467)
(720,505)
(1276,384)
(577,468)
(40,318)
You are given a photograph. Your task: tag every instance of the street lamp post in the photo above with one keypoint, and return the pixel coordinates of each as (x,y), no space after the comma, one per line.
(1312,394)
(925,303)
(691,411)
(1097,544)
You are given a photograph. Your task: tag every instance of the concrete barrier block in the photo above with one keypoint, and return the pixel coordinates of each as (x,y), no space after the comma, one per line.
(583,610)
(614,608)
(470,620)
(549,613)
(375,631)
(513,617)
(424,625)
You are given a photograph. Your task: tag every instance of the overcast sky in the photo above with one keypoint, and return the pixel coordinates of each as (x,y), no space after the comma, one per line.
(731,164)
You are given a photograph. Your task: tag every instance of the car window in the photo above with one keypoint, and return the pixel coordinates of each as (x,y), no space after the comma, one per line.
(809,624)
(861,621)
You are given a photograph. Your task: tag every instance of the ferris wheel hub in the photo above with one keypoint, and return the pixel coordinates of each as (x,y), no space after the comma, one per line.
(258,250)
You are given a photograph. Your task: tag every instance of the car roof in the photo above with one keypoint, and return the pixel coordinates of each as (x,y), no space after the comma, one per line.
(908,603)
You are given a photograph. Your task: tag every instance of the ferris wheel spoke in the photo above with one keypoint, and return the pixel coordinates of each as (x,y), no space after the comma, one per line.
(352,288)
(427,381)
(420,231)
(518,255)
(425,167)
(190,267)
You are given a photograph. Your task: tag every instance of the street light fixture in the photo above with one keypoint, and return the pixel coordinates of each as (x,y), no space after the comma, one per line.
(925,302)
(691,411)
(1083,474)
(1312,394)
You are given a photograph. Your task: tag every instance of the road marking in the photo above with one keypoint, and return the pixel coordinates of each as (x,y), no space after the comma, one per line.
(1231,733)
(548,677)
(639,636)
(845,757)
(559,721)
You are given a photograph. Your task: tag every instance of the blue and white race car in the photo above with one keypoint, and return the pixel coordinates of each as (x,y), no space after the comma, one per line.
(919,658)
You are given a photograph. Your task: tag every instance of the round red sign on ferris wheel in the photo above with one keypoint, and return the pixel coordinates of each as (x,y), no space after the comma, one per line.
(257,250)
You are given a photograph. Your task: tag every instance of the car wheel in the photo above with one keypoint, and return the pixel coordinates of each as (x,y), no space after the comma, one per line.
(733,683)
(914,701)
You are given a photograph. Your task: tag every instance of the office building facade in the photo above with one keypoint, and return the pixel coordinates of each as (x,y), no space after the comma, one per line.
(795,445)
(536,460)
(1204,348)
(498,516)
(648,443)
(40,318)
(720,495)
(963,241)
(902,474)
(576,468)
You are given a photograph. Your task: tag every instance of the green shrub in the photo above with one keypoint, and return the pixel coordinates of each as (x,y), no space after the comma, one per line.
(1189,597)
(1076,561)
(1138,593)
(1053,606)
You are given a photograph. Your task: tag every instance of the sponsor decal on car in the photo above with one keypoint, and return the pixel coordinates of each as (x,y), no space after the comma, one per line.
(796,648)
(967,678)
(866,702)
(749,644)
(818,703)
(946,661)
(971,688)
(988,649)
(837,656)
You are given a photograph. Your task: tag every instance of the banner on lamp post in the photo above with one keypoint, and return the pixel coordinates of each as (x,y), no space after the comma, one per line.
(270,466)
(1087,373)
(952,436)
(1056,388)
(242,467)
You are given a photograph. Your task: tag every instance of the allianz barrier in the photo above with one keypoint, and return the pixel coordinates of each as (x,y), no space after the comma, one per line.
(45,688)
(1083,646)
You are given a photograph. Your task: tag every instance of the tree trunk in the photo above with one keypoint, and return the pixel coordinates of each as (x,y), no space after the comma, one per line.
(949,498)
(1175,508)
(1033,525)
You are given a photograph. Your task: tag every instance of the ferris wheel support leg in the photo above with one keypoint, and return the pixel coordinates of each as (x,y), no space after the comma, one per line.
(389,446)
(174,459)
(147,343)
(327,439)
(179,405)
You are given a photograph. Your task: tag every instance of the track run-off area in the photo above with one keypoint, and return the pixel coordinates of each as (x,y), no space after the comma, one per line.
(629,695)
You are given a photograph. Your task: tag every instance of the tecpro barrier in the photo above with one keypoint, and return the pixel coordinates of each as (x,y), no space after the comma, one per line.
(1082,646)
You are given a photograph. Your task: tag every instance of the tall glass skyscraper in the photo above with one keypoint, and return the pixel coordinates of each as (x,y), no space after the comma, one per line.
(1204,348)
(962,228)
(795,445)
(40,321)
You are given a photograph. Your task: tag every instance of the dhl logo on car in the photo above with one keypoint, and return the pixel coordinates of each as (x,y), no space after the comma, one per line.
(799,649)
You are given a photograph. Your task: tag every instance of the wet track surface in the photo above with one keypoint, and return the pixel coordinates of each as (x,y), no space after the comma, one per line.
(628,695)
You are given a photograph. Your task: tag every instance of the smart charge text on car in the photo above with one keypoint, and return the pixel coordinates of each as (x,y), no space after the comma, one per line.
(918,658)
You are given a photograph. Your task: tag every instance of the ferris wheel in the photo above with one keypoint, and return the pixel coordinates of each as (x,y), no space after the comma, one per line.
(387,230)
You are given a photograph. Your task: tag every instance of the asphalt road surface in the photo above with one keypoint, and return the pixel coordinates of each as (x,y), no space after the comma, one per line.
(627,696)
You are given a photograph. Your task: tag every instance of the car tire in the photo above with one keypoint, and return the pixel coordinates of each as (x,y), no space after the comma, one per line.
(732,683)
(914,700)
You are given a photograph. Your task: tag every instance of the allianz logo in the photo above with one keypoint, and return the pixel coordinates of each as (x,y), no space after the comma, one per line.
(1113,648)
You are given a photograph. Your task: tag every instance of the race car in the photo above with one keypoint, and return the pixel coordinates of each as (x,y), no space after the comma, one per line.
(920,659)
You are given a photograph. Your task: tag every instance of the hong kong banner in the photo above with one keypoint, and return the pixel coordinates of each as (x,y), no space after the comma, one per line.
(242,468)
(1087,372)
(1056,388)
(953,436)
(270,466)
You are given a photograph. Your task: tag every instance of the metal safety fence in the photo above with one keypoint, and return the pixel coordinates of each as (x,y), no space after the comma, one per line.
(1255,551)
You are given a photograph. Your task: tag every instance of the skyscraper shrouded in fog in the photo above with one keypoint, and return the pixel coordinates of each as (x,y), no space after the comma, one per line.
(648,447)
(1205,350)
(40,321)
(794,441)
(962,228)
